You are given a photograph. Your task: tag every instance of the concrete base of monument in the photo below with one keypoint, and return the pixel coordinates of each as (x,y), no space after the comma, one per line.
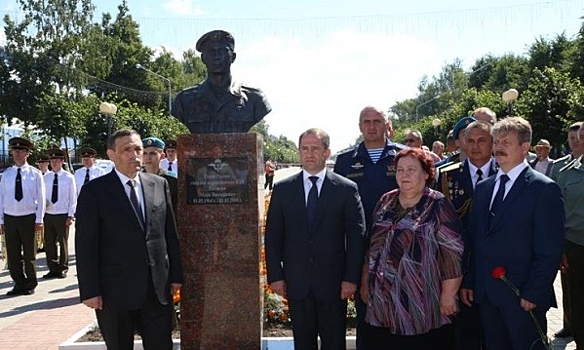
(268,343)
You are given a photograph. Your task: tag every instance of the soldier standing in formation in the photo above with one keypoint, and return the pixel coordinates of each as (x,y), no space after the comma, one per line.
(89,171)
(170,162)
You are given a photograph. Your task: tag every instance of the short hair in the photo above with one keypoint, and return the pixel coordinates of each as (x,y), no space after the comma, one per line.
(377,110)
(487,111)
(415,133)
(437,142)
(321,134)
(516,125)
(426,162)
(575,126)
(479,124)
(111,141)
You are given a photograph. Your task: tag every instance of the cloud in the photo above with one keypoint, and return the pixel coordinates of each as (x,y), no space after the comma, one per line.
(183,8)
(326,83)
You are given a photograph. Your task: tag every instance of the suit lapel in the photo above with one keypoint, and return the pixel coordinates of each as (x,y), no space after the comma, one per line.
(118,192)
(467,179)
(514,192)
(148,192)
(325,191)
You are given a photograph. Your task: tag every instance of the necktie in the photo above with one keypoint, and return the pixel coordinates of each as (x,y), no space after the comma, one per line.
(312,202)
(55,193)
(500,195)
(480,175)
(169,166)
(86,180)
(134,200)
(18,188)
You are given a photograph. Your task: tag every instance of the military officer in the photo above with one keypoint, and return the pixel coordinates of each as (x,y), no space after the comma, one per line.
(43,163)
(457,182)
(219,104)
(22,201)
(61,205)
(152,155)
(458,136)
(89,171)
(170,162)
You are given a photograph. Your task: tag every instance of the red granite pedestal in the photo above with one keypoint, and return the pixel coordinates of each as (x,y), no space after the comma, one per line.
(219,221)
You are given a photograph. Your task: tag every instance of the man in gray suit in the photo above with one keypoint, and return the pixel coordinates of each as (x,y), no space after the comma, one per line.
(314,245)
(127,249)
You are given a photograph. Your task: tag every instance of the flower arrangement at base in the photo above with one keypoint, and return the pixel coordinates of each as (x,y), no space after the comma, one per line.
(499,272)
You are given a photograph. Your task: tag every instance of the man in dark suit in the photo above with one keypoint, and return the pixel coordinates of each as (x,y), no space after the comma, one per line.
(517,223)
(314,245)
(127,249)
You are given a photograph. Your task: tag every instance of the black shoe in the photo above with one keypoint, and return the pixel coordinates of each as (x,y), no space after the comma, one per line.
(27,292)
(17,291)
(563,333)
(62,275)
(51,275)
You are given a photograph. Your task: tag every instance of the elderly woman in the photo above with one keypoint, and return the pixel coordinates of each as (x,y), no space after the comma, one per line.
(412,270)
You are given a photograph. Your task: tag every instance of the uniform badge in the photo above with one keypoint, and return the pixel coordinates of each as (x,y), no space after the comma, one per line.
(357,166)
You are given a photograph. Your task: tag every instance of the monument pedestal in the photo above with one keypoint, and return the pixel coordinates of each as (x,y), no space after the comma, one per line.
(219,221)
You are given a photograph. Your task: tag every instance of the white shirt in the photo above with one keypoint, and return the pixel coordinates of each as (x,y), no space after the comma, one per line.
(308,183)
(164,165)
(33,193)
(473,172)
(513,175)
(138,188)
(94,172)
(542,165)
(67,195)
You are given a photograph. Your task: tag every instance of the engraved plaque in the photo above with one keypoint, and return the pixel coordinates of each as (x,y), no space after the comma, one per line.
(217,180)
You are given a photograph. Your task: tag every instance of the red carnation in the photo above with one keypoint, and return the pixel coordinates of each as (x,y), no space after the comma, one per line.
(498,272)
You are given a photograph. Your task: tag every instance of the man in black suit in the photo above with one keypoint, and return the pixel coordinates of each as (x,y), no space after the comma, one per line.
(127,249)
(314,245)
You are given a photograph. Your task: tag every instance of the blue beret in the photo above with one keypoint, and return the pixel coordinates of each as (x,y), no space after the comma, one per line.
(461,125)
(153,142)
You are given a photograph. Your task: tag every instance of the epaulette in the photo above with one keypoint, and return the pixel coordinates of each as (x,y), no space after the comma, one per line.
(449,167)
(574,163)
(561,159)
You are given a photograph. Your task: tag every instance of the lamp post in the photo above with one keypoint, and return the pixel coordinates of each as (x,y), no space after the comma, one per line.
(109,110)
(424,103)
(139,66)
(509,97)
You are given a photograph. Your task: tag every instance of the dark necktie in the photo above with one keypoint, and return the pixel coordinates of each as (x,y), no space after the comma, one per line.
(134,200)
(18,188)
(55,193)
(86,180)
(500,195)
(169,166)
(480,176)
(312,202)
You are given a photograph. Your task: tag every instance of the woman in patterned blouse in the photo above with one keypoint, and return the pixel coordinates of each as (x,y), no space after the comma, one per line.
(412,270)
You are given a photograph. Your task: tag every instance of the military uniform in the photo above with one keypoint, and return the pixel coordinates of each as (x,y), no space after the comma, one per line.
(205,112)
(83,174)
(373,179)
(556,165)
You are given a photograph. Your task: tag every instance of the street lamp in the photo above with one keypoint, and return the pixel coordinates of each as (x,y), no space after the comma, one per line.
(109,110)
(139,66)
(424,103)
(509,97)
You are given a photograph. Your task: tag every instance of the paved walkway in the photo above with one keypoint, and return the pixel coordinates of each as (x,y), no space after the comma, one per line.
(53,314)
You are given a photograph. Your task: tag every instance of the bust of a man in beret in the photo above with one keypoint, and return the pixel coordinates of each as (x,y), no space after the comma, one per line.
(219,104)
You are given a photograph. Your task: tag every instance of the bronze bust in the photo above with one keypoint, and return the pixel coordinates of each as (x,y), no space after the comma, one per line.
(219,104)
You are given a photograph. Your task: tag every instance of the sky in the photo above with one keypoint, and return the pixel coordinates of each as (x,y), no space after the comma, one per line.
(321,61)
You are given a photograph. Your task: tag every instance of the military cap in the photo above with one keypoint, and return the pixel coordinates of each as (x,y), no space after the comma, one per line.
(170,144)
(56,153)
(43,158)
(88,152)
(152,142)
(20,143)
(461,125)
(215,35)
(543,143)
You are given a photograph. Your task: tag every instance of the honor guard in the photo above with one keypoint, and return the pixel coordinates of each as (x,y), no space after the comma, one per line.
(43,163)
(89,171)
(170,162)
(22,197)
(152,155)
(61,205)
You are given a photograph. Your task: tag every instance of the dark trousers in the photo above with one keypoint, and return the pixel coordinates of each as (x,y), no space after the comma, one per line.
(566,302)
(468,329)
(56,242)
(379,338)
(312,318)
(269,181)
(575,275)
(511,328)
(361,308)
(153,320)
(21,250)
